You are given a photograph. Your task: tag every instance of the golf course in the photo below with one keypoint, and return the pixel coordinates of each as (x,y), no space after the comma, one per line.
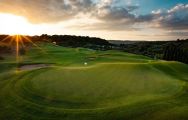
(51,82)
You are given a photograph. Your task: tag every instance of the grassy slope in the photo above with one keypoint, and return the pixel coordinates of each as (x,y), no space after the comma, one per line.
(114,85)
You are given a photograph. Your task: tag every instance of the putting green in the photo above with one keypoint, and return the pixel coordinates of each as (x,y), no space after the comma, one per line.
(97,87)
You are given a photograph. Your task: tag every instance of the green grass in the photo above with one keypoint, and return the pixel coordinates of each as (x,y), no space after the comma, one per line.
(113,86)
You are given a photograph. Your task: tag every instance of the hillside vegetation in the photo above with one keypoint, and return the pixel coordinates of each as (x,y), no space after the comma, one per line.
(166,50)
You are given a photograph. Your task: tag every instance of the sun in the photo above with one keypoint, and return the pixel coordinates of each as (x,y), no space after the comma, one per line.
(14,25)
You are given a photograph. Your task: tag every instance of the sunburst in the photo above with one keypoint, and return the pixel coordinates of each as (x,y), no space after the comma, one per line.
(18,42)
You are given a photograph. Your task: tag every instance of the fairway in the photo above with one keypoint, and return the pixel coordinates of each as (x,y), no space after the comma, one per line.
(84,84)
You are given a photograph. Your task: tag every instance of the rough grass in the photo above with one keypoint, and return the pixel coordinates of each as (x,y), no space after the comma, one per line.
(112,86)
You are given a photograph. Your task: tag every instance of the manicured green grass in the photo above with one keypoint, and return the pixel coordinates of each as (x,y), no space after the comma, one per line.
(112,86)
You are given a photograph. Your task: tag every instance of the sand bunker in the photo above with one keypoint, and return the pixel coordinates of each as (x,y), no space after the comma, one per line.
(33,66)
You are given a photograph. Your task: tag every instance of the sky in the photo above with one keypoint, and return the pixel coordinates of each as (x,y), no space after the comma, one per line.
(108,19)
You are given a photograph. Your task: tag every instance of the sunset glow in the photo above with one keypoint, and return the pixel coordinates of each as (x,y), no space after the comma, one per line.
(14,25)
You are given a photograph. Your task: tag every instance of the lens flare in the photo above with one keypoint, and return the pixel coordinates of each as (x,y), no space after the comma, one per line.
(18,42)
(17,48)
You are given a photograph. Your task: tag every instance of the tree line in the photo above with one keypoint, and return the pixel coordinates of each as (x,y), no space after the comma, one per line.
(177,51)
(166,50)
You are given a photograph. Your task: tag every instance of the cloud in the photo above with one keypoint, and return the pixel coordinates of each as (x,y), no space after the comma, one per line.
(51,11)
(175,18)
(37,11)
(108,13)
(178,33)
(45,11)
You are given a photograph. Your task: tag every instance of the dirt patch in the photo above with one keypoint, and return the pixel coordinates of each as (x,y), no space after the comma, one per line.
(33,66)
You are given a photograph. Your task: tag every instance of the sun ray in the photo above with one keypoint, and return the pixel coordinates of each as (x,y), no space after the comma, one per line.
(21,41)
(6,38)
(18,42)
(26,38)
(11,41)
(17,48)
